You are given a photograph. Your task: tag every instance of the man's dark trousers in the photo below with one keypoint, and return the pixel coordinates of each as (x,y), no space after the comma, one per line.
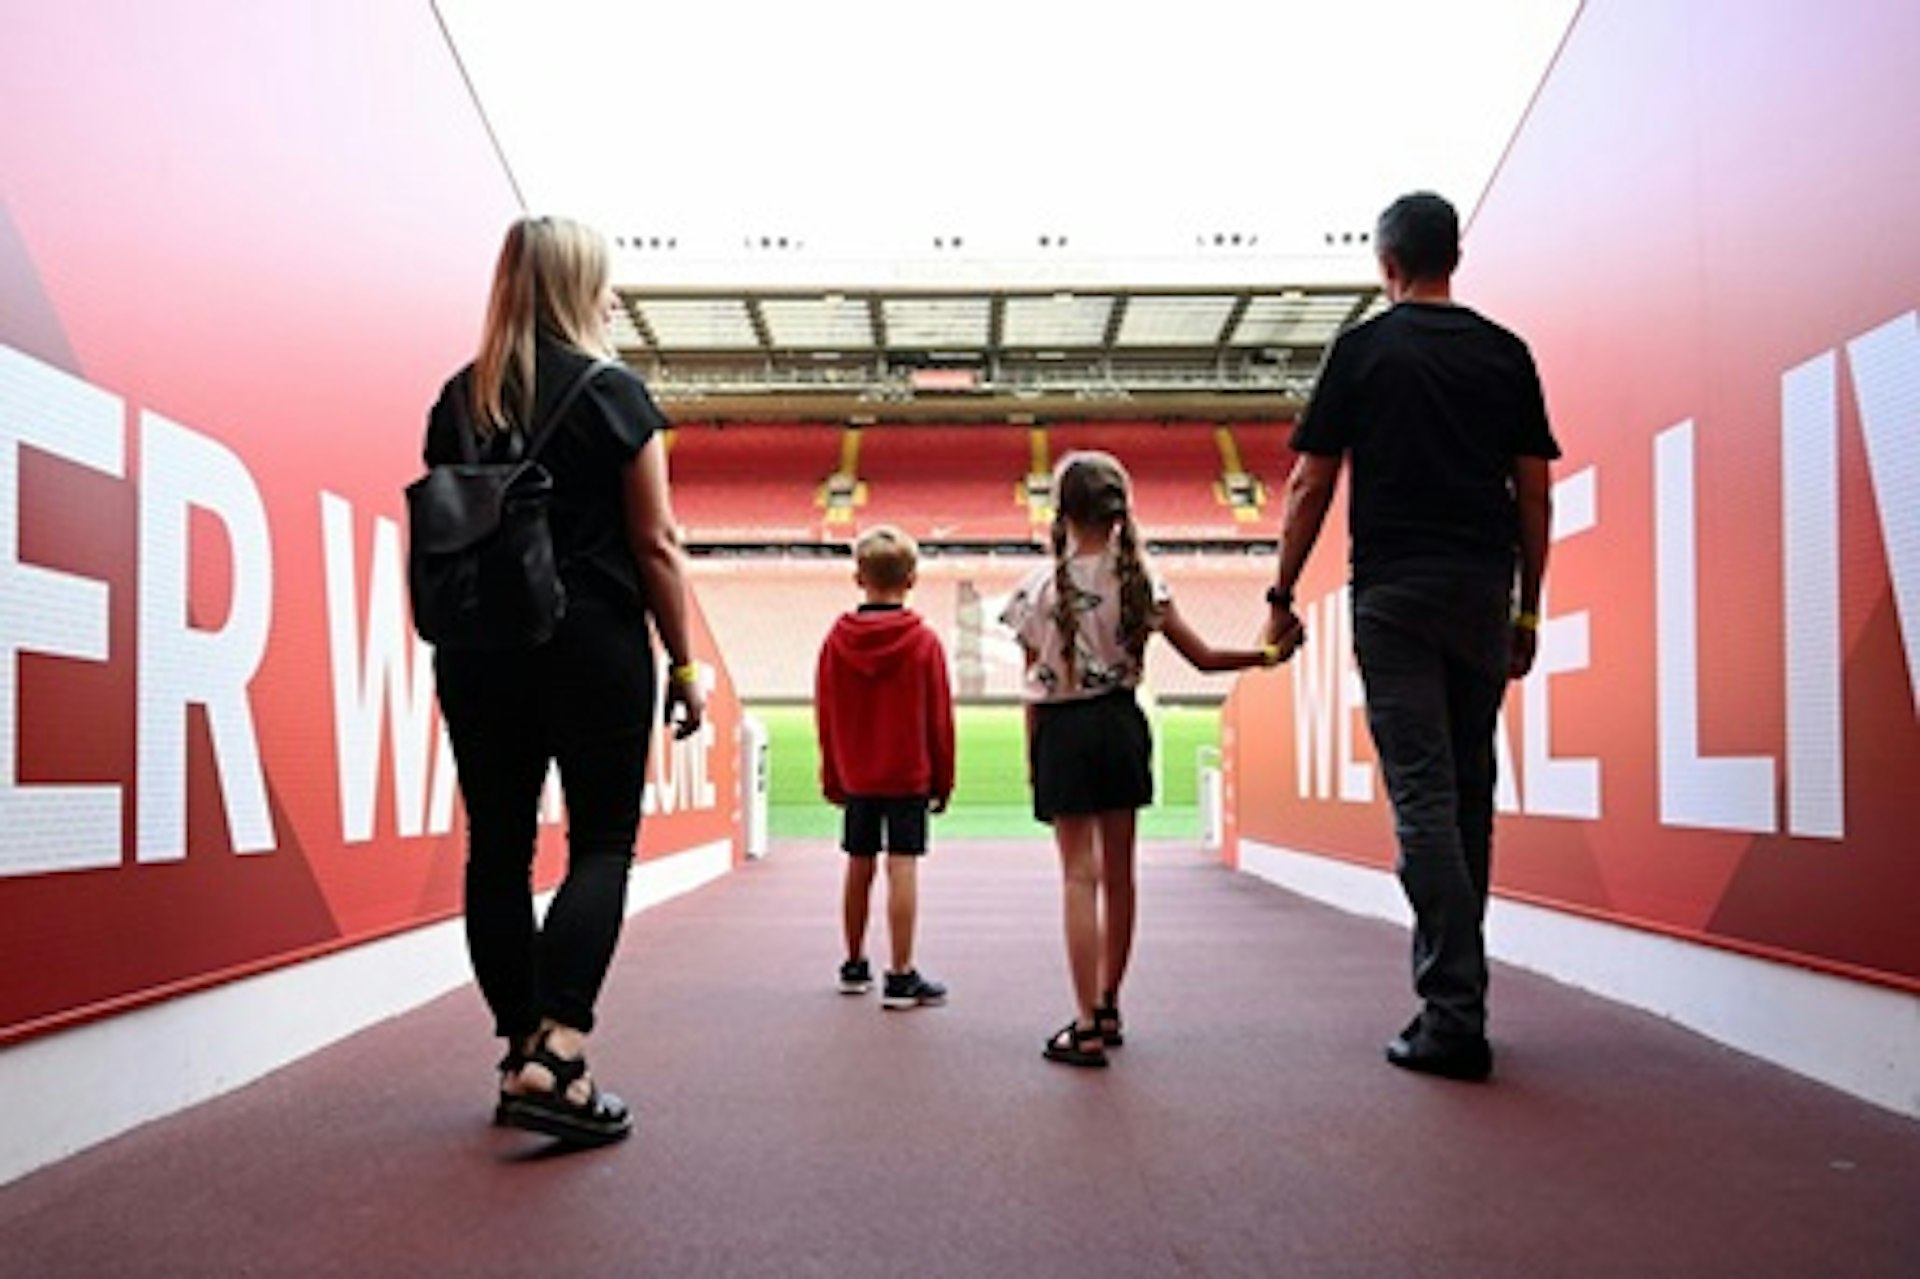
(1433,652)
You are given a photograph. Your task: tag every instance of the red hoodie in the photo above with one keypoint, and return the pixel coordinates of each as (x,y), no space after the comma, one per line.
(883,708)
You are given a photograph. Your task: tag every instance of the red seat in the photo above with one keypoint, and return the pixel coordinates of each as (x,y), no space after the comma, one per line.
(947,483)
(1178,473)
(751,483)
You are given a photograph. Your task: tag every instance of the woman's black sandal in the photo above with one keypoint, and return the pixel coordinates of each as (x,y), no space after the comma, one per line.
(1069,1045)
(1106,1020)
(600,1119)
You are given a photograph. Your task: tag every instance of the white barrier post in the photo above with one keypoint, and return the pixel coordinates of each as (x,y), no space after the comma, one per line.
(756,780)
(1212,798)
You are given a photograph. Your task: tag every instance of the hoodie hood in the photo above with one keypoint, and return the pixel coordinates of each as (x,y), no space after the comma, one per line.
(874,642)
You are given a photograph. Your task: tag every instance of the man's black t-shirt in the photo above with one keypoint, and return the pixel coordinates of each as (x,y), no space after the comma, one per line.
(587,454)
(1433,402)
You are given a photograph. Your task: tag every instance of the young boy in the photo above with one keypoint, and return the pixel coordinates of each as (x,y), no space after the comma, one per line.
(885,719)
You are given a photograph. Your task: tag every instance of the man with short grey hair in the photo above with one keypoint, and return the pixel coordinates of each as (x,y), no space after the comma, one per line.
(1440,414)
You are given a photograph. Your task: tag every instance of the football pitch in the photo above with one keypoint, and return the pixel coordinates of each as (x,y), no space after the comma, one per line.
(990,799)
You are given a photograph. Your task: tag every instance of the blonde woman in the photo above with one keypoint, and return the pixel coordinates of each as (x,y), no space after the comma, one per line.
(583,699)
(1084,621)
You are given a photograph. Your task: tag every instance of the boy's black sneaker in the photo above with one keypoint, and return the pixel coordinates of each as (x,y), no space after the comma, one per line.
(855,977)
(911,990)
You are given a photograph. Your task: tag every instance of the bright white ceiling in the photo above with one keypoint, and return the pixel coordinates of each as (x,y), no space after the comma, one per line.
(740,141)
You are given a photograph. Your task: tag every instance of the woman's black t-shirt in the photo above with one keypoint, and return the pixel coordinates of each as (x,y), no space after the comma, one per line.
(587,453)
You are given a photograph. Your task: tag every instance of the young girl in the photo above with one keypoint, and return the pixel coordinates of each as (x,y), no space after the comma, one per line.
(1084,622)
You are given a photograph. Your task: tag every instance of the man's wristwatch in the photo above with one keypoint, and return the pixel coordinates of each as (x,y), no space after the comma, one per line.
(1277,598)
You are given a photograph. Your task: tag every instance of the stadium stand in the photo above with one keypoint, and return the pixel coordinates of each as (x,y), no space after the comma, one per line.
(1175,468)
(947,483)
(1178,470)
(1221,596)
(752,483)
(1255,461)
(769,615)
(762,484)
(958,488)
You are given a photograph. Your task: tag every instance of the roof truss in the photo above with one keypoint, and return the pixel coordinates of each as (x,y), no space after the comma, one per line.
(985,353)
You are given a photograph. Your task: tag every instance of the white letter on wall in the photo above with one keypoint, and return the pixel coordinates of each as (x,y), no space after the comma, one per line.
(1356,777)
(1731,793)
(363,686)
(1810,565)
(1506,792)
(1317,670)
(181,665)
(1886,380)
(1560,787)
(50,828)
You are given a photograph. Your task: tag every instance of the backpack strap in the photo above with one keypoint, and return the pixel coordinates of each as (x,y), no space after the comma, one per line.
(463,415)
(539,439)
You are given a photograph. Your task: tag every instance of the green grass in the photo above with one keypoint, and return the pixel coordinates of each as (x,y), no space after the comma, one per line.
(990,797)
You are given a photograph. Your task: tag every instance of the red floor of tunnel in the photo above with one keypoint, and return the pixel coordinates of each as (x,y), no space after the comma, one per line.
(1249,1127)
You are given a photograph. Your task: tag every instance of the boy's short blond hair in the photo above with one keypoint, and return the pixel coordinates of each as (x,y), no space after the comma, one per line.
(886,558)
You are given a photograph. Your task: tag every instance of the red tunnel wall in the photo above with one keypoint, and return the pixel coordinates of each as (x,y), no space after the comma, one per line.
(1704,227)
(240,246)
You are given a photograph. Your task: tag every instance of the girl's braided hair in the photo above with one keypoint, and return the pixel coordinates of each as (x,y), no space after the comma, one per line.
(1091,491)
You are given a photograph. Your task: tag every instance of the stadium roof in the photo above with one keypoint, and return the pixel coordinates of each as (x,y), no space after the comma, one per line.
(823,206)
(984,353)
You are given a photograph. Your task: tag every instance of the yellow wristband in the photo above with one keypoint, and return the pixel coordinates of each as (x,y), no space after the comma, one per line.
(1270,655)
(686,673)
(1527,621)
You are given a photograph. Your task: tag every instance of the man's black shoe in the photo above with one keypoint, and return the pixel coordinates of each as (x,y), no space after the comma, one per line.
(1468,1059)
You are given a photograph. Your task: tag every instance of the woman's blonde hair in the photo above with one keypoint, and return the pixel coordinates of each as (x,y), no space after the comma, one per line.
(1092,491)
(549,278)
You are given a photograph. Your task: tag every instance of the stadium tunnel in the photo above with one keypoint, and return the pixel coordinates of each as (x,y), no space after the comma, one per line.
(236,257)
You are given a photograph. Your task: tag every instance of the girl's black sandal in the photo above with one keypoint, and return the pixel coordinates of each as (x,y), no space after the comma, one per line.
(1106,1020)
(600,1119)
(1070,1045)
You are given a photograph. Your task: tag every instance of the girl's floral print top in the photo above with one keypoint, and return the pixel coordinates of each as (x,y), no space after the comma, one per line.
(1100,663)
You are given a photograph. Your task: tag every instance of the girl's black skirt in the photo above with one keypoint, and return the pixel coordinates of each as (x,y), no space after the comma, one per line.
(1094,755)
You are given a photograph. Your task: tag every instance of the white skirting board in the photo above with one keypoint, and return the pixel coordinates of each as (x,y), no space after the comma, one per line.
(121,1072)
(1860,1038)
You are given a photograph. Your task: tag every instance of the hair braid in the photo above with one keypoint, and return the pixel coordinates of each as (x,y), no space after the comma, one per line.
(1065,615)
(1136,593)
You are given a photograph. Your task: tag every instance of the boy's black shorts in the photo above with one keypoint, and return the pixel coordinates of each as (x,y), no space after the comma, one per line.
(898,823)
